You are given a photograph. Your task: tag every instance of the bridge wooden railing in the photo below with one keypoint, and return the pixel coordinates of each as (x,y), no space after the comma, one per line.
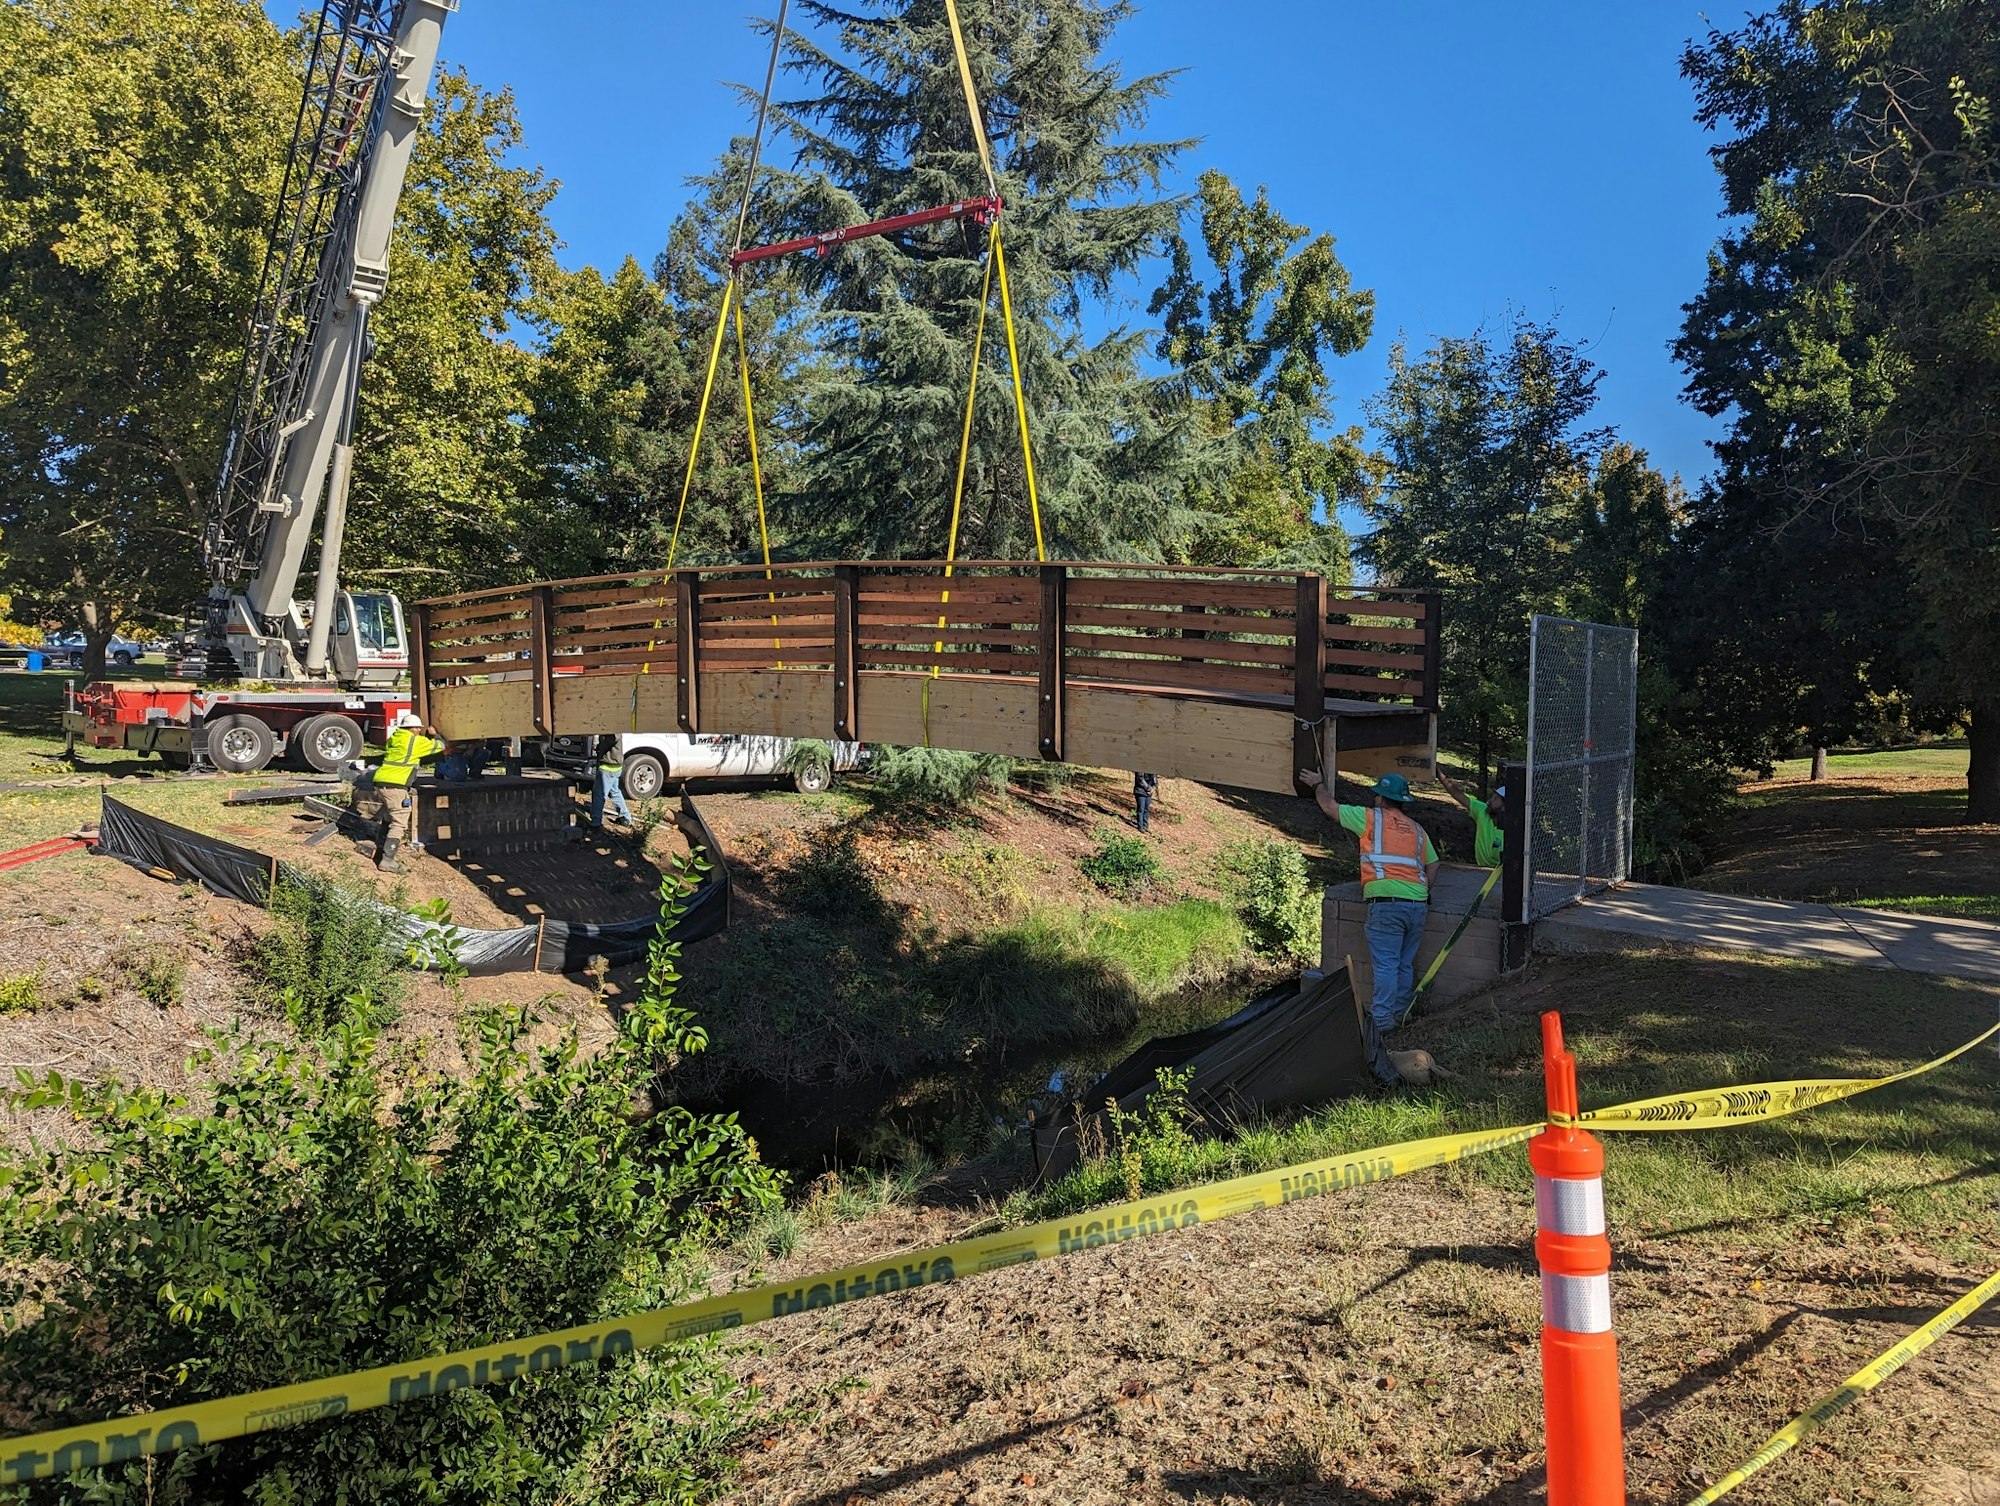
(1068,661)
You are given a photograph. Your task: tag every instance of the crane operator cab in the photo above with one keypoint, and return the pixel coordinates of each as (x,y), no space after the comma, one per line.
(369,646)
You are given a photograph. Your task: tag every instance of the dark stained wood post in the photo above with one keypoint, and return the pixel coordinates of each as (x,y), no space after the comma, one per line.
(1055,582)
(1433,646)
(540,655)
(1309,672)
(420,656)
(1516,925)
(687,641)
(846,630)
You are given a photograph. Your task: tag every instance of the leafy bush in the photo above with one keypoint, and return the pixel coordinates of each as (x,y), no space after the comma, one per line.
(1125,866)
(329,952)
(22,994)
(161,979)
(329,1207)
(1155,1144)
(1279,903)
(937,776)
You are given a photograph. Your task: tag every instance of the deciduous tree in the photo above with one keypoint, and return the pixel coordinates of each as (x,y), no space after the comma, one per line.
(1848,328)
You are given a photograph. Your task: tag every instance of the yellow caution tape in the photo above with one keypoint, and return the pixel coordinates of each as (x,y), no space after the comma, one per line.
(1856,1386)
(41,1455)
(1752,1101)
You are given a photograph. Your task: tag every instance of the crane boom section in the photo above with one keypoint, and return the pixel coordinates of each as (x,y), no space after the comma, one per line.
(359,272)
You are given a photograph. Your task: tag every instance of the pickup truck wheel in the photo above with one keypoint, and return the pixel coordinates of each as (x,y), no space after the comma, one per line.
(643,776)
(123,659)
(240,744)
(811,778)
(326,742)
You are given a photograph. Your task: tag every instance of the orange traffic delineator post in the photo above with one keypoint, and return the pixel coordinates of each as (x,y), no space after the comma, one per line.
(1586,1435)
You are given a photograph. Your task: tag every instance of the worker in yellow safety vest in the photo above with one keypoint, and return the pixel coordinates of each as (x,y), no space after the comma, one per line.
(1398,866)
(411,743)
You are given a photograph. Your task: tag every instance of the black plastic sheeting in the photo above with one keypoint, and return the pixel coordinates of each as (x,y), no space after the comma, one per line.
(153,845)
(1285,1049)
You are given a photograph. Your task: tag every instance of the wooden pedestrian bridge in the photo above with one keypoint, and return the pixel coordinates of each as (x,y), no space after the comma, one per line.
(1229,677)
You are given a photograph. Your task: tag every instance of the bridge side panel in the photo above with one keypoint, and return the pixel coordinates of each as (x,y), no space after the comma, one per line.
(1248,747)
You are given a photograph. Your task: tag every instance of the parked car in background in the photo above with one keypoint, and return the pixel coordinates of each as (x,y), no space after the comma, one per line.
(67,648)
(650,761)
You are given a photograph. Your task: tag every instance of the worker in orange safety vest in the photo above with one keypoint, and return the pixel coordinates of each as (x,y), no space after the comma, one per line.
(1398,865)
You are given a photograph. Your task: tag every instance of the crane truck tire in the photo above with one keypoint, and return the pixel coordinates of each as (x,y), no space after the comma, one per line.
(811,777)
(240,744)
(643,776)
(326,742)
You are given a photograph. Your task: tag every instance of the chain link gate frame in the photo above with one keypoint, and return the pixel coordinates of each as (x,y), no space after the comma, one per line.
(1583,706)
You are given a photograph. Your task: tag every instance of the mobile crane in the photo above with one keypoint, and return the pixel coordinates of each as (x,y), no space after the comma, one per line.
(309,679)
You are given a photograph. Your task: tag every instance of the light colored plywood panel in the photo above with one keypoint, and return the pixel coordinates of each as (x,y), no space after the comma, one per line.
(971,713)
(498,708)
(586,704)
(1245,747)
(768,702)
(1415,761)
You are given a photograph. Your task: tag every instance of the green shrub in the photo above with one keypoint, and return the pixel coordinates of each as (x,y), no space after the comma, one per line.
(1279,903)
(21,995)
(1155,1144)
(328,1207)
(161,979)
(329,953)
(1125,866)
(937,776)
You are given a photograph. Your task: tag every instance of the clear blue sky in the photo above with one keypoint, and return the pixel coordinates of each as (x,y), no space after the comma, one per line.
(1467,155)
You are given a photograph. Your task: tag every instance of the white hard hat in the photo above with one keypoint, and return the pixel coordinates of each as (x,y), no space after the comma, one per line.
(407,718)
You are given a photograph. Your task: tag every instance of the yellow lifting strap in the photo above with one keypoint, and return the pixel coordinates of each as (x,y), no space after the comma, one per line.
(701,414)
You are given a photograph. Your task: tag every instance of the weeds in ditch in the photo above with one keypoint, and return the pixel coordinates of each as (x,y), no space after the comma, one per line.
(1124,866)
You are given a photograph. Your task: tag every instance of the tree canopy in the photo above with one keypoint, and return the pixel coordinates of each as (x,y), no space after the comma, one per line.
(1848,331)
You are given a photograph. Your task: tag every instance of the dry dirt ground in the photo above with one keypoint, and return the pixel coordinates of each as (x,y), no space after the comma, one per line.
(1858,835)
(1380,1346)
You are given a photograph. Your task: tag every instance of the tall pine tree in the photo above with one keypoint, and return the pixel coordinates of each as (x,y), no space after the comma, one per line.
(886,132)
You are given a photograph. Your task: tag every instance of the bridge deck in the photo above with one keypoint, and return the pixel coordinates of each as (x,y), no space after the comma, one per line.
(1221,676)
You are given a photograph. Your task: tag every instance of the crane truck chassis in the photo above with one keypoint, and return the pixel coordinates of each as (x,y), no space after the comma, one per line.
(238,731)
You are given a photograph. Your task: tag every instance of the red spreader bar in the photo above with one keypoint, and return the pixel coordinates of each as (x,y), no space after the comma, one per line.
(20,857)
(981,210)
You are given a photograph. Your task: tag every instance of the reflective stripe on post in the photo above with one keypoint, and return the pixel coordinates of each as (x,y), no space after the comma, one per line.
(1586,1444)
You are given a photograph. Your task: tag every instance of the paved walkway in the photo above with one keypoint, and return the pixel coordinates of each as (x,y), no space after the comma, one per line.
(1831,933)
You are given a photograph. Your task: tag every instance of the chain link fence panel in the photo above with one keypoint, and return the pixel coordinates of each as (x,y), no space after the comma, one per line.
(1583,706)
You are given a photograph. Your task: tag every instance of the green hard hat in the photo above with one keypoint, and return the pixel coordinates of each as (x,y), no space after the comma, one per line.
(1393,787)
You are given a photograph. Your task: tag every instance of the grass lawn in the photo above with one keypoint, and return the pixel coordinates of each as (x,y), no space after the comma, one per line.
(1918,1156)
(1886,831)
(1944,762)
(43,796)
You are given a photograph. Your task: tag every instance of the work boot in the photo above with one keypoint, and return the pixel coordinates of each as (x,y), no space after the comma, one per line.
(387,861)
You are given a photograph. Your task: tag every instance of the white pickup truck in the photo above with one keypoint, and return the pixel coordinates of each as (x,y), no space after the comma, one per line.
(653,760)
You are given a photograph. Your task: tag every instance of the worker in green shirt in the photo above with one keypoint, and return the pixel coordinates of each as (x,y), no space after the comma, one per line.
(1487,815)
(1398,863)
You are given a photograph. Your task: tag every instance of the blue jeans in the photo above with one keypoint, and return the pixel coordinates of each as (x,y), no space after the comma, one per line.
(1395,928)
(607,785)
(1145,804)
